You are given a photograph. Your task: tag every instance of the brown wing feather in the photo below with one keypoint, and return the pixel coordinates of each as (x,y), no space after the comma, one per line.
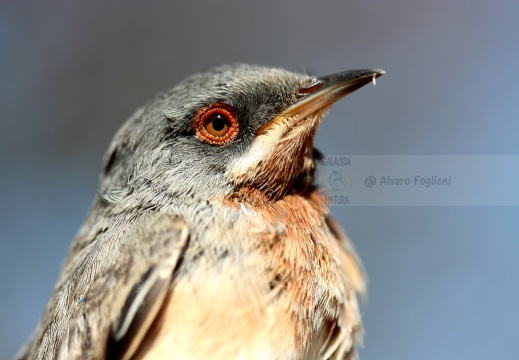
(103,270)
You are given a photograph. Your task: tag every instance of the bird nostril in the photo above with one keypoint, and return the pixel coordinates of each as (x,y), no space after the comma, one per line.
(311,87)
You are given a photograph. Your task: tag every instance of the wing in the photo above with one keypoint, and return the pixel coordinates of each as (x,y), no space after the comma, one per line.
(110,289)
(341,336)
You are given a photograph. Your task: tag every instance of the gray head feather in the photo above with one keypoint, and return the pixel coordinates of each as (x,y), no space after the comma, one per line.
(155,157)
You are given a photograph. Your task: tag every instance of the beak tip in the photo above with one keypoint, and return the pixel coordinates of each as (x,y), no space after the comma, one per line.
(376,74)
(379,72)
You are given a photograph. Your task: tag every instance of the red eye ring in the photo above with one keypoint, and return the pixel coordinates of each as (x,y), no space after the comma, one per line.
(216,124)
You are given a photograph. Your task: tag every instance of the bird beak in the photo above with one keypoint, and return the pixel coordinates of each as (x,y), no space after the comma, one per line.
(325,91)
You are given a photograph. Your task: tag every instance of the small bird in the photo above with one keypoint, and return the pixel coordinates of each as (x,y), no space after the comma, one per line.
(208,237)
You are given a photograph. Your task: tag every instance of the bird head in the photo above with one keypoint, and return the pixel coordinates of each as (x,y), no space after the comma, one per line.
(221,132)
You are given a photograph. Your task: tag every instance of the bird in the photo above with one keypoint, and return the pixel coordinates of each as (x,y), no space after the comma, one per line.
(208,237)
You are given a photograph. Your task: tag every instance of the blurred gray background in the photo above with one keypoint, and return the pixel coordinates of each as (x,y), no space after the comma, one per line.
(444,281)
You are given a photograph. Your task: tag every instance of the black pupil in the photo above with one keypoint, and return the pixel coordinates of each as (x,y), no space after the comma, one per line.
(219,122)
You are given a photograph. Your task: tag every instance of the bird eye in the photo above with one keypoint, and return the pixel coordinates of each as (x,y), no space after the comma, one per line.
(216,124)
